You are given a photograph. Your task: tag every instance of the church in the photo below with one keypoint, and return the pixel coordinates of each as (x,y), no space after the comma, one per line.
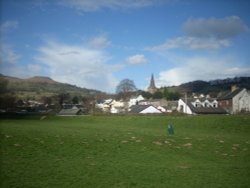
(152,88)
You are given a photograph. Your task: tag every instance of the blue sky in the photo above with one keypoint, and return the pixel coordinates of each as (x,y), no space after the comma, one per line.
(97,43)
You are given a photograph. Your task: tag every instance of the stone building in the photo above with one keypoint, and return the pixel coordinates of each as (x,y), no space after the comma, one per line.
(235,101)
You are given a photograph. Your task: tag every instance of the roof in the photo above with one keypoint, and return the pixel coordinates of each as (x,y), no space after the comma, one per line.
(140,108)
(202,109)
(206,110)
(230,95)
(70,112)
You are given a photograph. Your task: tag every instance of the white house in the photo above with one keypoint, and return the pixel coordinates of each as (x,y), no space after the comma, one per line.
(111,105)
(116,106)
(105,105)
(135,100)
(183,107)
(199,106)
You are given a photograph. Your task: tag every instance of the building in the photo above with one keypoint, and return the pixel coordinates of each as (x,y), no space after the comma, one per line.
(135,100)
(144,109)
(152,88)
(235,101)
(199,106)
(70,112)
(154,102)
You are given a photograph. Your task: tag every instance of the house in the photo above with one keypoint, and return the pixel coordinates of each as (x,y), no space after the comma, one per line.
(117,107)
(171,106)
(199,106)
(72,109)
(70,112)
(117,104)
(161,108)
(111,105)
(135,100)
(235,101)
(154,102)
(144,109)
(104,105)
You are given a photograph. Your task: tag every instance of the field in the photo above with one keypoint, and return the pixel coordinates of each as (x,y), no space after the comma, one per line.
(126,151)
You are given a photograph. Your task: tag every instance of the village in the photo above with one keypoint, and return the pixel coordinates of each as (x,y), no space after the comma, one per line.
(232,102)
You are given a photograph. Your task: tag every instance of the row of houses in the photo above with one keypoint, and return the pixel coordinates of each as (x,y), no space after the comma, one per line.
(136,104)
(233,102)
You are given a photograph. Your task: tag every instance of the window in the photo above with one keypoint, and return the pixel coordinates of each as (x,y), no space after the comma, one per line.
(197,104)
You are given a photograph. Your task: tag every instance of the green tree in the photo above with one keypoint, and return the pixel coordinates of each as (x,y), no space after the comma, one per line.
(170,95)
(3,85)
(146,95)
(157,95)
(75,100)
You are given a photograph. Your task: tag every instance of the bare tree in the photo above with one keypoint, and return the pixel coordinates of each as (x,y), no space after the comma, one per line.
(126,86)
(124,91)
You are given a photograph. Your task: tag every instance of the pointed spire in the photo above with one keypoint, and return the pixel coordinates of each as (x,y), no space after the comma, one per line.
(152,88)
(152,82)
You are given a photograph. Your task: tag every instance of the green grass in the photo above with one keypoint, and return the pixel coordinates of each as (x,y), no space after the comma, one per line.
(126,151)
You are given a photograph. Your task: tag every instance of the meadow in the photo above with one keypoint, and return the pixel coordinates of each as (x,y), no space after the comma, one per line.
(126,151)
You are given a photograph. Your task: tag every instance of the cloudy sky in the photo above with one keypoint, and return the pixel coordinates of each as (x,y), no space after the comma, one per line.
(97,43)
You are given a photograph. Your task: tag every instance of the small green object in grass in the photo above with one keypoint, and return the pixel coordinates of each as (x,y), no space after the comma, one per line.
(170,129)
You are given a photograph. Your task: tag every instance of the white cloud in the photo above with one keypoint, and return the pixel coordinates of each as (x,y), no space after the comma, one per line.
(202,68)
(192,43)
(99,42)
(10,61)
(8,25)
(137,59)
(220,28)
(94,5)
(78,65)
(205,34)
(8,55)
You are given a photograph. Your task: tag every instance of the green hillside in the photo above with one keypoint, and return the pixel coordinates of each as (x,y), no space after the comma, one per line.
(213,87)
(42,86)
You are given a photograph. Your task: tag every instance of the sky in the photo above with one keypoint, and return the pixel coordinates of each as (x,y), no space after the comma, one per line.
(97,43)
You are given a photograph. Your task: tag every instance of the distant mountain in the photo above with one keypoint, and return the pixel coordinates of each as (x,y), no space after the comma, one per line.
(42,86)
(41,79)
(213,87)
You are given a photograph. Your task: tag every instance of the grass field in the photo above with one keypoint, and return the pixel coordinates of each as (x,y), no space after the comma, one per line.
(126,151)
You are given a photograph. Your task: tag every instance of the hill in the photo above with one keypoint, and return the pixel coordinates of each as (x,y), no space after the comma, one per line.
(41,79)
(212,87)
(38,86)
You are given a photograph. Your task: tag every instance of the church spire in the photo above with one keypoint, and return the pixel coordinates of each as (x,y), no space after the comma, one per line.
(152,82)
(152,88)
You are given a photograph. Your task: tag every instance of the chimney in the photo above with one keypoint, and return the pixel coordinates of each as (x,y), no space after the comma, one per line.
(234,87)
